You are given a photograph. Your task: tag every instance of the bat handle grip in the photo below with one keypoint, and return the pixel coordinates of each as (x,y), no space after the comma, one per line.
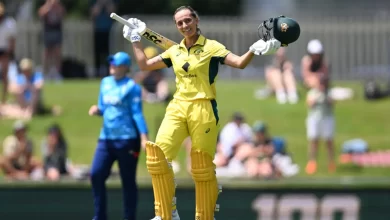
(121,20)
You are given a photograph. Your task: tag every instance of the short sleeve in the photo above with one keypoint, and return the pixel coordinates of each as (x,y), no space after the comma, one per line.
(219,50)
(166,56)
(38,78)
(9,145)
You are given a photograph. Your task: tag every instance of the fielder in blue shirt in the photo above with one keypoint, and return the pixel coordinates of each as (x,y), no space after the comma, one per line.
(124,130)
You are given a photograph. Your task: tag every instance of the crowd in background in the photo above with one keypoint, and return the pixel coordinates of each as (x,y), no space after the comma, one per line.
(242,150)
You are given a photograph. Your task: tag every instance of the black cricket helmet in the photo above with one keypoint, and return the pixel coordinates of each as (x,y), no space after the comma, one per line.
(284,29)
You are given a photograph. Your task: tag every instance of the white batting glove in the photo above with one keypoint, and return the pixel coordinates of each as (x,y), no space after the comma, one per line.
(262,47)
(133,33)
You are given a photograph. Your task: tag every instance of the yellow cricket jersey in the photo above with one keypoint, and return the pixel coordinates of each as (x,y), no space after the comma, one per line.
(196,69)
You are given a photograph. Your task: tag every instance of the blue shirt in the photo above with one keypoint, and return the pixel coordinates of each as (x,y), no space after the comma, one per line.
(279,145)
(34,79)
(120,104)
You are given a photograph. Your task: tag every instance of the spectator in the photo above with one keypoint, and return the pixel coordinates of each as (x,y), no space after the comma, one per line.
(54,153)
(265,156)
(52,14)
(259,162)
(232,136)
(18,161)
(7,48)
(280,78)
(100,15)
(314,64)
(28,90)
(155,87)
(320,123)
(258,154)
(262,135)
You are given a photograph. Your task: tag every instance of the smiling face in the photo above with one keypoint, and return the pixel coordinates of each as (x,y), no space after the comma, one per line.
(186,22)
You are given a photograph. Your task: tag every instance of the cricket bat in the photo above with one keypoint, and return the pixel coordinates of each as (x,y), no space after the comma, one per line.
(149,34)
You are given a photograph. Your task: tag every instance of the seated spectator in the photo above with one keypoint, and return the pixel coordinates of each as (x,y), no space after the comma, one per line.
(259,163)
(320,123)
(262,135)
(232,136)
(265,156)
(27,89)
(155,87)
(280,78)
(54,153)
(314,65)
(257,155)
(17,161)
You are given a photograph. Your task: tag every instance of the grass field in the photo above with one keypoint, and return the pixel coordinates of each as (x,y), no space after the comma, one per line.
(355,118)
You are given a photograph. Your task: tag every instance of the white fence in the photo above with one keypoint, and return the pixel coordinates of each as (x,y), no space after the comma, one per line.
(356,49)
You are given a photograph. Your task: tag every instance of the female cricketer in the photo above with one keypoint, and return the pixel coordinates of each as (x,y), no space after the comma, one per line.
(124,129)
(192,112)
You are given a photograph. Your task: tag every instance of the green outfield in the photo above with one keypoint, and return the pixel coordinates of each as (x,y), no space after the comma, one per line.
(355,118)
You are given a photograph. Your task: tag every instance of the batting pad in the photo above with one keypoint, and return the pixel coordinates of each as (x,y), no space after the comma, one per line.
(162,180)
(206,186)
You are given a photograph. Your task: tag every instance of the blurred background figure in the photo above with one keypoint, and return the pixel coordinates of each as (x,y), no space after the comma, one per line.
(262,135)
(27,90)
(155,86)
(314,65)
(320,123)
(259,164)
(102,23)
(7,48)
(54,151)
(234,134)
(280,79)
(52,14)
(275,149)
(18,162)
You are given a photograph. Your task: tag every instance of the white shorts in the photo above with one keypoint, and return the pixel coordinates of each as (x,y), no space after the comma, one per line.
(320,128)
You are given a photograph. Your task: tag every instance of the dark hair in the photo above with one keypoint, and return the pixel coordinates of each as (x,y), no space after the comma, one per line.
(194,14)
(55,128)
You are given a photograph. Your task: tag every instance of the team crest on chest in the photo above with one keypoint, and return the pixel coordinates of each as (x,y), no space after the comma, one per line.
(198,51)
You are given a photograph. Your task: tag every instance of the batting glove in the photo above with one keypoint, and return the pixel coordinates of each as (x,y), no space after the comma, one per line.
(134,31)
(262,47)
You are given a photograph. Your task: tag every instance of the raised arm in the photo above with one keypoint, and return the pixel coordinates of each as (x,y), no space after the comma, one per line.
(45,8)
(239,62)
(133,34)
(143,62)
(260,47)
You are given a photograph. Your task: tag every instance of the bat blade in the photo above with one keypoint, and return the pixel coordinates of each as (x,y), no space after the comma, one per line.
(150,35)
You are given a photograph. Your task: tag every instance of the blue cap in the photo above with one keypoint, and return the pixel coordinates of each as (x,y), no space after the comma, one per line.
(120,58)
